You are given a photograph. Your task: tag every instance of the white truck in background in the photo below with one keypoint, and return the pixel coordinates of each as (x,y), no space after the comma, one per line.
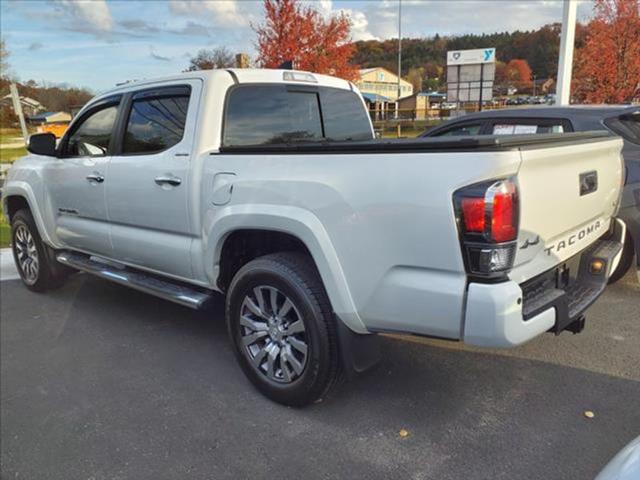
(268,186)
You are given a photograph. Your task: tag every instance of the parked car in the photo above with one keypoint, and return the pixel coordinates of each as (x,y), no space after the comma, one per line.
(625,465)
(621,120)
(268,186)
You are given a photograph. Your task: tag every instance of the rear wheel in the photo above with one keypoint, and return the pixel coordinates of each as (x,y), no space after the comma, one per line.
(625,260)
(282,328)
(34,259)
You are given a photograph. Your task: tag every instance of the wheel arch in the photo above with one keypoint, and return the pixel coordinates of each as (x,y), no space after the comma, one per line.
(292,227)
(14,203)
(18,195)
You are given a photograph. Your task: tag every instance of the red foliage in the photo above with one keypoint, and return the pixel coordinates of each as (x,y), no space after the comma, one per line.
(607,66)
(301,34)
(518,72)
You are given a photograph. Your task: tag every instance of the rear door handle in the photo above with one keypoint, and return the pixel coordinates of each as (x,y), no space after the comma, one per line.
(95,177)
(168,180)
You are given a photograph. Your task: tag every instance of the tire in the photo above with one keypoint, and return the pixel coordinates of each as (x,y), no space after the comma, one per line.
(625,261)
(34,260)
(265,338)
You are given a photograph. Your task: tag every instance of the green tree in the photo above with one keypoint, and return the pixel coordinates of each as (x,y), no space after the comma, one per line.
(209,59)
(4,55)
(416,78)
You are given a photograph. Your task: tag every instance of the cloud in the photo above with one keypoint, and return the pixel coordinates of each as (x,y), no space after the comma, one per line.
(359,21)
(228,13)
(426,17)
(35,46)
(193,29)
(89,16)
(155,56)
(359,25)
(138,26)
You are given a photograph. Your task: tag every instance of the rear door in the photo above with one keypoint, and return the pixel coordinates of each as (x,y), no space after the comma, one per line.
(567,195)
(148,189)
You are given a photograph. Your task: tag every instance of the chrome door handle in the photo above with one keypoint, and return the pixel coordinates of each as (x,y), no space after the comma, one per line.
(95,177)
(168,180)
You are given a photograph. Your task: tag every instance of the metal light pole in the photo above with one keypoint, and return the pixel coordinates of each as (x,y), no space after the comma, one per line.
(565,62)
(534,84)
(399,54)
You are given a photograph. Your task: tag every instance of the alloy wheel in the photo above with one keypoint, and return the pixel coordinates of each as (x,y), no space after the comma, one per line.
(27,254)
(273,334)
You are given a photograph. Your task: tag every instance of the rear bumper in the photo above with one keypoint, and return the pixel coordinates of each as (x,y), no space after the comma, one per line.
(507,314)
(631,217)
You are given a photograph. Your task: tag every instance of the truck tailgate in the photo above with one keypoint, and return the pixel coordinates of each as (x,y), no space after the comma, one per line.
(568,194)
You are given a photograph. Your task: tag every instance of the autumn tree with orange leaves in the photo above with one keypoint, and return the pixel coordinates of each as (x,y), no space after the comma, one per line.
(304,36)
(519,73)
(607,68)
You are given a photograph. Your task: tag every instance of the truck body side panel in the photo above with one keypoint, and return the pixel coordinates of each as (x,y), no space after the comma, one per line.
(388,218)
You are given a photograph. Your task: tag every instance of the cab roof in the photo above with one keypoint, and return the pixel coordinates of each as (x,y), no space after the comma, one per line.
(240,75)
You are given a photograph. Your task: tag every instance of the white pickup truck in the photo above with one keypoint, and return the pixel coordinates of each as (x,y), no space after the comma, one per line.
(268,186)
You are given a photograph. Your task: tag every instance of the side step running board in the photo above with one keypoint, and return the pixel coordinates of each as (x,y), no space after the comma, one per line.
(188,296)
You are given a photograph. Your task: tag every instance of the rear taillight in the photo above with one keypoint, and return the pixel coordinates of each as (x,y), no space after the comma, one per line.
(504,214)
(487,215)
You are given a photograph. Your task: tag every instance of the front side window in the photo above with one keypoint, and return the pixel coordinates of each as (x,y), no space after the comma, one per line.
(155,124)
(628,126)
(92,136)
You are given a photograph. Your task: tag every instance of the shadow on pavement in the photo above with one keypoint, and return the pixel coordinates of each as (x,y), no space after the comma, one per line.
(103,382)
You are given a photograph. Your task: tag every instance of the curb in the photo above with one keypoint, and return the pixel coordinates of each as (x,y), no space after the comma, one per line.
(8,270)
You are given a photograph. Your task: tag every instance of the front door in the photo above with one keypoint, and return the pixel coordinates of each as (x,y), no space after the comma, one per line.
(148,189)
(77,180)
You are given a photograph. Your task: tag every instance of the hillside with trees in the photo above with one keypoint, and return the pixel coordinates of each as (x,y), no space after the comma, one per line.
(538,48)
(54,98)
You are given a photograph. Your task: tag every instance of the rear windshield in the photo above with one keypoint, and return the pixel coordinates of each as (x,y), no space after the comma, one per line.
(627,125)
(277,114)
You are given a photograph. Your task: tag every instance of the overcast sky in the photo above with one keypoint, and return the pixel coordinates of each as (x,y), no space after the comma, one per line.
(98,43)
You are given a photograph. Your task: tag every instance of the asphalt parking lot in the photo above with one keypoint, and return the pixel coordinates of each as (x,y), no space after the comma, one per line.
(101,382)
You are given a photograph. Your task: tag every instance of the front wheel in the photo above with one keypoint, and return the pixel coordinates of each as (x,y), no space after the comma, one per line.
(282,328)
(34,259)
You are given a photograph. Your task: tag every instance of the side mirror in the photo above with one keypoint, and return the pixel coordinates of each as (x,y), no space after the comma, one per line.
(42,144)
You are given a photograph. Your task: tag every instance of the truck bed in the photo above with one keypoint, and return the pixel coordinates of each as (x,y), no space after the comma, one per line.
(427,144)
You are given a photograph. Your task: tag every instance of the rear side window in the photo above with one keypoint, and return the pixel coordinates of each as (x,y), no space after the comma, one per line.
(156,123)
(462,130)
(524,129)
(344,116)
(275,114)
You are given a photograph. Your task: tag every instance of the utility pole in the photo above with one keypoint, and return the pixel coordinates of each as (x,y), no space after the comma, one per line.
(399,54)
(534,84)
(17,107)
(565,62)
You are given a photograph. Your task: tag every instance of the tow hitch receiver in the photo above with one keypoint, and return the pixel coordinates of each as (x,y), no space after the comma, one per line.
(577,325)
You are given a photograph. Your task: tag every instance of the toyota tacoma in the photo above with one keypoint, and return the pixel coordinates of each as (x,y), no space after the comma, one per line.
(269,186)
